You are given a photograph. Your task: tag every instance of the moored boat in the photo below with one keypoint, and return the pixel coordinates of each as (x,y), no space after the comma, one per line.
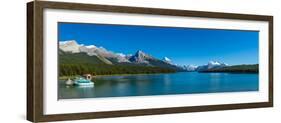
(69,82)
(80,81)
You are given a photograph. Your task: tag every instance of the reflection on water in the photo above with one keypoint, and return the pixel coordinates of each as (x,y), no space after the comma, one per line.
(161,84)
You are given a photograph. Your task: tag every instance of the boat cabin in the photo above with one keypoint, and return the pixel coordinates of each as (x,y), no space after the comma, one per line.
(88,76)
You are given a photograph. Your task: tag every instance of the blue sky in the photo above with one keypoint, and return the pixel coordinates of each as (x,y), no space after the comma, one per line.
(182,45)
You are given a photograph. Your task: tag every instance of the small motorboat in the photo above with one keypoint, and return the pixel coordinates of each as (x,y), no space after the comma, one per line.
(80,81)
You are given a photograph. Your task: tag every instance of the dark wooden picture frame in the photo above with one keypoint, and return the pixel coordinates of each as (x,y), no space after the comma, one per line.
(35,60)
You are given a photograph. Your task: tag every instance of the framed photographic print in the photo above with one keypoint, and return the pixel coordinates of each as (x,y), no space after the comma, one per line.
(96,61)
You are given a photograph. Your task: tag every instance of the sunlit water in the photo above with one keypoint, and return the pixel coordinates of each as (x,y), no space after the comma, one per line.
(161,84)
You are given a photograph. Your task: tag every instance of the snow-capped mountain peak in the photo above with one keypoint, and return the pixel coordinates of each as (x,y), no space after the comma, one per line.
(121,54)
(140,57)
(73,47)
(69,46)
(190,67)
(216,63)
(91,46)
(67,42)
(141,54)
(166,59)
(211,65)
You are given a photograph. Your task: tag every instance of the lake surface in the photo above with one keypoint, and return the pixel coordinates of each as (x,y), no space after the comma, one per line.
(161,84)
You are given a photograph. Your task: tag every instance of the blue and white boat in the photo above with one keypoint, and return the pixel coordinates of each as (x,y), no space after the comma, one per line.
(80,81)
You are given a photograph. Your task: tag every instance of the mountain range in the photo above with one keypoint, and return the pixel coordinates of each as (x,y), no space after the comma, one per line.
(68,49)
(72,52)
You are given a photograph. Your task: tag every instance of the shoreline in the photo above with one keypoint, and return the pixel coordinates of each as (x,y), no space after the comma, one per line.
(141,74)
(231,72)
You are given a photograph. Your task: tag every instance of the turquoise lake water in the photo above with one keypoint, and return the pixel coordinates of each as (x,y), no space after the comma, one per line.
(161,84)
